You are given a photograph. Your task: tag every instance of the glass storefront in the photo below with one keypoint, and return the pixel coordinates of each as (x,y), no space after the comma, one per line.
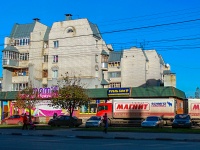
(91,107)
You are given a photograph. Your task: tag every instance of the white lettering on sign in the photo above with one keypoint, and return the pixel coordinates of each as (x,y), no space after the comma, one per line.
(135,106)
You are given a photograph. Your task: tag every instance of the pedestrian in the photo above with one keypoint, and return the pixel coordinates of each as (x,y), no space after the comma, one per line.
(105,121)
(55,115)
(32,125)
(25,121)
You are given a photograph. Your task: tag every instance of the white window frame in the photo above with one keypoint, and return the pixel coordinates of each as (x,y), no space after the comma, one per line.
(54,73)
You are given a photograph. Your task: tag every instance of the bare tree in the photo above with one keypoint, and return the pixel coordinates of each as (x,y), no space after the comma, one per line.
(27,98)
(70,95)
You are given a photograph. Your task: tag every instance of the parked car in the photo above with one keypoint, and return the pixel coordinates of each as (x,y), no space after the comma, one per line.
(14,120)
(153,121)
(94,121)
(182,121)
(64,120)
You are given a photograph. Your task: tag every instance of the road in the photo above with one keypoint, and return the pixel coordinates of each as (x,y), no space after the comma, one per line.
(14,142)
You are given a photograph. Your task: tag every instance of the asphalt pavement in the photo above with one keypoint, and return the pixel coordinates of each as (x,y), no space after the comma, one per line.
(75,133)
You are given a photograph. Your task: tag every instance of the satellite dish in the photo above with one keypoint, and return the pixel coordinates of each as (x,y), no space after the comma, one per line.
(167,65)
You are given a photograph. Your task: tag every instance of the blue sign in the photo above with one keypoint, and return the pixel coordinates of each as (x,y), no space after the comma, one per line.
(118,91)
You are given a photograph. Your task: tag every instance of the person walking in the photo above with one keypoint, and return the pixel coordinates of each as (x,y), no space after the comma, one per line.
(105,121)
(55,115)
(25,121)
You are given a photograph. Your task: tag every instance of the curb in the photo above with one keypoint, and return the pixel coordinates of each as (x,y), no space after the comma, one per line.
(100,137)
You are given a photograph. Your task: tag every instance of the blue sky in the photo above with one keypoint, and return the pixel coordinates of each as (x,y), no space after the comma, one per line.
(172,27)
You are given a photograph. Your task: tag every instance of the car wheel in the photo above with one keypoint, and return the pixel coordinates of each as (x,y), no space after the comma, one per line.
(4,123)
(20,123)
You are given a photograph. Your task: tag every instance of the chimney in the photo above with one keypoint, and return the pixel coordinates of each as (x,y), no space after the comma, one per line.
(36,19)
(68,17)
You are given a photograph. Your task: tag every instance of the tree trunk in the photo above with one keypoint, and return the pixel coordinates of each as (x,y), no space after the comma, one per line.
(29,115)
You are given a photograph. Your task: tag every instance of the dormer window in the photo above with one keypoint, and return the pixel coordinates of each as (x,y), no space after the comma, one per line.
(70,30)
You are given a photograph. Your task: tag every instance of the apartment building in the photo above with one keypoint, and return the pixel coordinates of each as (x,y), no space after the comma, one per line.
(39,55)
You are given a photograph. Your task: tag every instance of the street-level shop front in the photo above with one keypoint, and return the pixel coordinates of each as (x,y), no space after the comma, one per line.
(44,111)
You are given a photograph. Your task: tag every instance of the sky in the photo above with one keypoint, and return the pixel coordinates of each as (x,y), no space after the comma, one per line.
(171,27)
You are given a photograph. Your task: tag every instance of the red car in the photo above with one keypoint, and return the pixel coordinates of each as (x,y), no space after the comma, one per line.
(14,120)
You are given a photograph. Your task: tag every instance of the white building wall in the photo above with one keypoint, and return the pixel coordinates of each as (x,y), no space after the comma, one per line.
(133,68)
(76,51)
(153,68)
(35,54)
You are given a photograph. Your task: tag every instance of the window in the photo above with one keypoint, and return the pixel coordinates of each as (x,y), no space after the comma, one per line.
(104,58)
(115,85)
(96,58)
(55,58)
(24,56)
(70,30)
(56,44)
(22,42)
(10,55)
(45,58)
(19,86)
(114,74)
(114,64)
(54,73)
(20,72)
(45,73)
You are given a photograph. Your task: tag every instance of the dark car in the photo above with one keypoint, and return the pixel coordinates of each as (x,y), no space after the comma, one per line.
(153,121)
(64,120)
(182,121)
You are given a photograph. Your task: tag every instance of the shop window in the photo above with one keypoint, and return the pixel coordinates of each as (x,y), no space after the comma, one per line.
(89,108)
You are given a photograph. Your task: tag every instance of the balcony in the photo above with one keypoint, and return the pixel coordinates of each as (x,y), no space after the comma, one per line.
(104,66)
(10,63)
(20,79)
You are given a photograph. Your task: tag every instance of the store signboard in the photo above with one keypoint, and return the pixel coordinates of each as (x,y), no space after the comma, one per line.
(118,91)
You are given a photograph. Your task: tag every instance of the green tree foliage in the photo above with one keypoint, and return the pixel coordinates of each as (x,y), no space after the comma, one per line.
(27,98)
(71,94)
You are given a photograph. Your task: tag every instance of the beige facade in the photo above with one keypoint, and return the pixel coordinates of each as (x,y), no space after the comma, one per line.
(43,55)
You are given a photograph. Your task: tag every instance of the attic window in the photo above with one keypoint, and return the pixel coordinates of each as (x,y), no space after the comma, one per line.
(70,30)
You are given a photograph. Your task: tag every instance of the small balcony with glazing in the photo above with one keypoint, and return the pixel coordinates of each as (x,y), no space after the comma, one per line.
(104,66)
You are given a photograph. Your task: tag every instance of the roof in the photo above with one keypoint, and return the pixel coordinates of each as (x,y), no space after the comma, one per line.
(10,48)
(136,92)
(95,30)
(103,52)
(22,30)
(141,92)
(157,92)
(9,95)
(104,82)
(46,36)
(115,56)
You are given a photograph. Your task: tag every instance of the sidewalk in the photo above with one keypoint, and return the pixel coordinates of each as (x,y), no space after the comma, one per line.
(74,133)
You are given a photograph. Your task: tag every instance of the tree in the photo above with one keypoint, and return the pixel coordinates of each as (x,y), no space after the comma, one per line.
(71,95)
(27,98)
